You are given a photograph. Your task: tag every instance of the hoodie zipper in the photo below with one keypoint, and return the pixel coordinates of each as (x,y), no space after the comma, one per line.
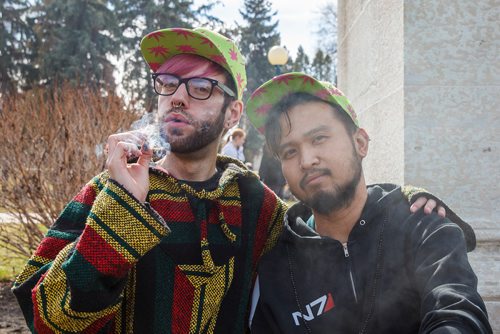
(351,276)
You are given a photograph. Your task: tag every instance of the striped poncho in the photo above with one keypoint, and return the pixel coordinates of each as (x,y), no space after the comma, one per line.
(182,263)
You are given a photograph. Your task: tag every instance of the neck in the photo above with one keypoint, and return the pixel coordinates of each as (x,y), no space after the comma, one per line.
(338,224)
(193,166)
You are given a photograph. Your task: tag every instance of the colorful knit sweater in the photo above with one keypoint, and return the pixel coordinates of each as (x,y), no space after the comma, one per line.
(185,263)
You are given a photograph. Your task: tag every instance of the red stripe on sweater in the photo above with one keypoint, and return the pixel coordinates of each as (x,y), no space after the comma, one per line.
(173,211)
(232,214)
(99,324)
(50,247)
(101,255)
(38,322)
(182,304)
(86,196)
(261,232)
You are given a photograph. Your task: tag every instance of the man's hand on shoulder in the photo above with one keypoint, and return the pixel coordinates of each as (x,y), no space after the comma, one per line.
(429,206)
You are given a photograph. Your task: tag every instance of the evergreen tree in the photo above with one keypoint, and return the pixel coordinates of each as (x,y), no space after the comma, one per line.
(301,63)
(139,17)
(76,40)
(17,45)
(258,33)
(321,67)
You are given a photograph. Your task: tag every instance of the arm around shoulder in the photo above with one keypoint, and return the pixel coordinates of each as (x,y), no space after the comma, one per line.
(450,302)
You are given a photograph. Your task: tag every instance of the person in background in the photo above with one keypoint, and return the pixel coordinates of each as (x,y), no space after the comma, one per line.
(352,258)
(234,146)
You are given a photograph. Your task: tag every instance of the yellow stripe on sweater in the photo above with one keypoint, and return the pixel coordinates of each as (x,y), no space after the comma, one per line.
(56,294)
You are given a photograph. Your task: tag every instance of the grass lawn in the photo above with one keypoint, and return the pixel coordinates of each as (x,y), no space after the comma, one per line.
(10,264)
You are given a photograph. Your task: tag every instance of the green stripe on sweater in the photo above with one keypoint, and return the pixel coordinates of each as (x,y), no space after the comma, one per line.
(132,211)
(114,235)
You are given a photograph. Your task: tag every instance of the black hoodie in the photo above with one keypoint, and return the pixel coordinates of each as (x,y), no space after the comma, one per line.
(398,273)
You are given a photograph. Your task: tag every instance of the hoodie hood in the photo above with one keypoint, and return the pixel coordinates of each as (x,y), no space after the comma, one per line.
(299,213)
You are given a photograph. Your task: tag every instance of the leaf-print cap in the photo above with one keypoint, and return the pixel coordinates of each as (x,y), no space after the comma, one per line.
(271,92)
(161,45)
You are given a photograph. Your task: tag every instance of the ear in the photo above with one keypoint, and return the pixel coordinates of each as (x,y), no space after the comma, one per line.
(361,140)
(233,114)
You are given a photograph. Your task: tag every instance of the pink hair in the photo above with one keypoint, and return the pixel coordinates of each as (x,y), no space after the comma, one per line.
(183,64)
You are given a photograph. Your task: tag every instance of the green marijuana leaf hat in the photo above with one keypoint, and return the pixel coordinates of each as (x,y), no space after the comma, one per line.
(271,92)
(161,45)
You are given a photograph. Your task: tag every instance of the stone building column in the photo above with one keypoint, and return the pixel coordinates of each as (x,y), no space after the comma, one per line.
(424,76)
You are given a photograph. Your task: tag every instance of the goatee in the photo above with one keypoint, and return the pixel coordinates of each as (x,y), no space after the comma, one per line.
(205,133)
(325,202)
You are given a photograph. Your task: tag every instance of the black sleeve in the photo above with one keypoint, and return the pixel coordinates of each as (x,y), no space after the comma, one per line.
(413,193)
(445,279)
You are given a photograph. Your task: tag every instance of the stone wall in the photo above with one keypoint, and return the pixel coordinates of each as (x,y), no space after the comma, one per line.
(371,73)
(424,75)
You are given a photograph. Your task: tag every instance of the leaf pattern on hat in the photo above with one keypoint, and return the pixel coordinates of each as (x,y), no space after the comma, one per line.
(154,66)
(186,49)
(158,50)
(323,94)
(183,32)
(205,40)
(155,34)
(259,92)
(159,46)
(267,95)
(351,110)
(240,80)
(283,79)
(263,109)
(335,91)
(233,54)
(307,79)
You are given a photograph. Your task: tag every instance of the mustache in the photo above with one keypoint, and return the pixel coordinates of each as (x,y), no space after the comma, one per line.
(177,110)
(315,172)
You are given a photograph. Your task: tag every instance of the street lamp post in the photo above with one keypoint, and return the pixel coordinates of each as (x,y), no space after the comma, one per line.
(277,56)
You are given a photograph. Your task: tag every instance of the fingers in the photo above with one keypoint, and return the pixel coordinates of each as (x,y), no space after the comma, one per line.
(126,137)
(145,156)
(122,147)
(441,211)
(429,205)
(420,202)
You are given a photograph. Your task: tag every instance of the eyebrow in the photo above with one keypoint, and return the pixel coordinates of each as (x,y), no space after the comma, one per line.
(315,130)
(309,133)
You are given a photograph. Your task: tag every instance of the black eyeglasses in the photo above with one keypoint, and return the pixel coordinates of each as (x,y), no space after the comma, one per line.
(198,88)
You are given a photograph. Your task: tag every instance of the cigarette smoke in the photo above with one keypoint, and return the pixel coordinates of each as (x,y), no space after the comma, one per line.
(149,127)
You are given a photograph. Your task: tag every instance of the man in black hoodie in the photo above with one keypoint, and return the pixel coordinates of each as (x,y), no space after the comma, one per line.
(362,262)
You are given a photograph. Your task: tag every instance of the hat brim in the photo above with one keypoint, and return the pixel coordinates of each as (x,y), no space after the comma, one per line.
(159,46)
(273,91)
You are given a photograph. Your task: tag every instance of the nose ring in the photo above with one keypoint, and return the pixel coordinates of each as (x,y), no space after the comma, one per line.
(176,105)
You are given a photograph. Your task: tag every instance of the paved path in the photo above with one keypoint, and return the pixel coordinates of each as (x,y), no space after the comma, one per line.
(7,218)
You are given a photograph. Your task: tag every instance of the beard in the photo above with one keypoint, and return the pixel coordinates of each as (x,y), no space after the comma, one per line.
(340,196)
(205,133)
